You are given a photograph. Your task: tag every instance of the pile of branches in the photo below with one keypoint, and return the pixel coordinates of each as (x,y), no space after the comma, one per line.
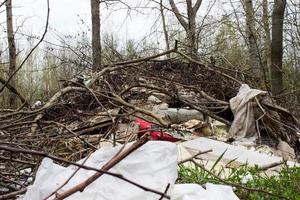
(80,116)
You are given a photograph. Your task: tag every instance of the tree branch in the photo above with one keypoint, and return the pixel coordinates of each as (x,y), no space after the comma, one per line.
(197,6)
(178,16)
(14,90)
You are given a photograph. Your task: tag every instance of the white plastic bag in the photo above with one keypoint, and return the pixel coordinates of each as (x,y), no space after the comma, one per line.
(153,165)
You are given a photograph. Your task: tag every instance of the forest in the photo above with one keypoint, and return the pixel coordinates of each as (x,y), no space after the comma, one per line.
(214,85)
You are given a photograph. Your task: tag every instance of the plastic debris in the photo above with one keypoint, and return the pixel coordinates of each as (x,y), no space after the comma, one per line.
(243,124)
(285,150)
(153,165)
(237,154)
(155,132)
(248,177)
(196,192)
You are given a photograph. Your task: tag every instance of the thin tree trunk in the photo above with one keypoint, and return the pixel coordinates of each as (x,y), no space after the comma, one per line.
(191,33)
(96,39)
(277,46)
(12,50)
(267,36)
(253,50)
(164,28)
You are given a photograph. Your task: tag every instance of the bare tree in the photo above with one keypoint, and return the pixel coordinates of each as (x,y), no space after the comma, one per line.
(250,30)
(96,38)
(189,25)
(277,46)
(12,49)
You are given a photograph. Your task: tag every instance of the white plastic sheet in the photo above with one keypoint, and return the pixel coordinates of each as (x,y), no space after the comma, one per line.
(153,165)
(243,124)
(196,192)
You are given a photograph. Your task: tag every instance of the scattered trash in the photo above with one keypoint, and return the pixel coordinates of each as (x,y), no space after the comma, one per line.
(154,99)
(248,177)
(243,124)
(155,131)
(284,150)
(237,155)
(37,105)
(154,165)
(177,116)
(192,124)
(196,192)
(98,116)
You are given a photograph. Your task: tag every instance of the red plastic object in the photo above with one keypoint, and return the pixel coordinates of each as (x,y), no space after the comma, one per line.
(154,130)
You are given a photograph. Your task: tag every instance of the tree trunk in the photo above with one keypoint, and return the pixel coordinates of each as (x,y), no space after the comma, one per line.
(277,46)
(267,36)
(252,45)
(191,33)
(96,40)
(164,27)
(12,50)
(189,25)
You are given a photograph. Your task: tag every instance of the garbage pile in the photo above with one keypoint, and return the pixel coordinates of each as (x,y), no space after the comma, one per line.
(154,165)
(103,123)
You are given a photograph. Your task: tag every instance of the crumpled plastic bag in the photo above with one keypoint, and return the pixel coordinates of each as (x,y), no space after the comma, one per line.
(243,124)
(153,165)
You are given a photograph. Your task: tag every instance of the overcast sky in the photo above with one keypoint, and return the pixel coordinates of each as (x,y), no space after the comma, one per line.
(66,17)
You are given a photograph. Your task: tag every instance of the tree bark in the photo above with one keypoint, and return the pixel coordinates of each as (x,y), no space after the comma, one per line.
(96,38)
(12,50)
(252,45)
(191,33)
(277,46)
(267,36)
(189,25)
